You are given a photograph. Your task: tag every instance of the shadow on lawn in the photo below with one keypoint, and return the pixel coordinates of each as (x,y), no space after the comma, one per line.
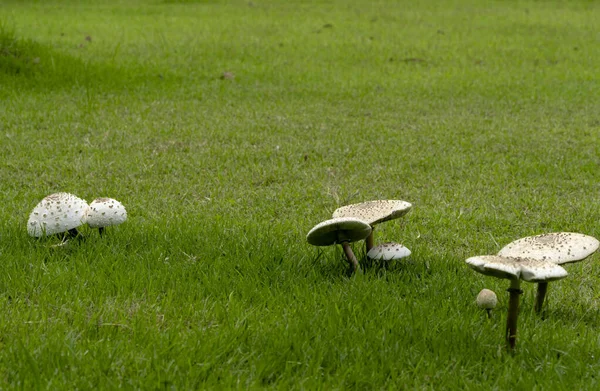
(33,65)
(336,269)
(187,1)
(572,316)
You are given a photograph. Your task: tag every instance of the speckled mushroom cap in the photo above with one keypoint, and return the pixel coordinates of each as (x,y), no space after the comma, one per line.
(104,212)
(374,212)
(388,252)
(338,230)
(557,247)
(513,268)
(486,299)
(55,214)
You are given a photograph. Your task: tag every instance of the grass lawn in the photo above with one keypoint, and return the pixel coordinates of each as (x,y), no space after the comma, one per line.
(230,128)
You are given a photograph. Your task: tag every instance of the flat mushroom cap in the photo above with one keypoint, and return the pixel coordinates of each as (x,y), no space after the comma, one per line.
(338,230)
(55,214)
(494,266)
(388,252)
(374,212)
(557,247)
(486,299)
(104,212)
(512,268)
(533,270)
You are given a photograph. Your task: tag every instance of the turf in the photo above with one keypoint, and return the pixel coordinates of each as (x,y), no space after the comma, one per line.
(230,128)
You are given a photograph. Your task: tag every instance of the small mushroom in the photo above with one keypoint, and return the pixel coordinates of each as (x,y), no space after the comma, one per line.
(487,300)
(515,269)
(104,212)
(556,247)
(374,212)
(388,252)
(57,213)
(343,230)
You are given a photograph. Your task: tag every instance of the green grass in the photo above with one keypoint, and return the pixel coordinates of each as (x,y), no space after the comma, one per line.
(484,115)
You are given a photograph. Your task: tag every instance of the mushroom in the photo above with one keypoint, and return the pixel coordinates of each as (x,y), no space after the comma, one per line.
(57,213)
(342,230)
(374,212)
(556,247)
(487,300)
(104,212)
(515,269)
(388,252)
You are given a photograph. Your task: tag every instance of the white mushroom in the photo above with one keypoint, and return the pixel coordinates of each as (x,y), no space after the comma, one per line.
(340,231)
(515,269)
(556,247)
(57,213)
(388,252)
(104,212)
(374,212)
(487,300)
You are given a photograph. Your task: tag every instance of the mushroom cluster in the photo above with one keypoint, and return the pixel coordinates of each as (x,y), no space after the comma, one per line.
(534,259)
(515,270)
(373,213)
(356,222)
(557,247)
(63,213)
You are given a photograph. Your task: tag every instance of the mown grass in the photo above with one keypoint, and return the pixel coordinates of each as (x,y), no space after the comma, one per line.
(483,115)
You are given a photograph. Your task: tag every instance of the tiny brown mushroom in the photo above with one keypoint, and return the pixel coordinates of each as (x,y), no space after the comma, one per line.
(487,300)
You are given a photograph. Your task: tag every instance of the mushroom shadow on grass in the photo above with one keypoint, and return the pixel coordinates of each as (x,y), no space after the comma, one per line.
(374,212)
(340,231)
(557,247)
(515,270)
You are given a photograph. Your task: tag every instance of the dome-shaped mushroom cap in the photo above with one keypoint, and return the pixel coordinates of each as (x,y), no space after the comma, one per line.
(104,212)
(512,268)
(557,247)
(486,299)
(374,212)
(338,230)
(55,214)
(388,252)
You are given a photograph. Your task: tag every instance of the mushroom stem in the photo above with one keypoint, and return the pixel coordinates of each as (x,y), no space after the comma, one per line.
(369,241)
(513,313)
(350,256)
(72,233)
(489,312)
(541,294)
(101,231)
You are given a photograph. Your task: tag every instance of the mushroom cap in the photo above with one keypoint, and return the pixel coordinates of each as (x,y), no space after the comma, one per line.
(56,213)
(513,268)
(556,247)
(486,299)
(374,212)
(104,212)
(338,230)
(388,252)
